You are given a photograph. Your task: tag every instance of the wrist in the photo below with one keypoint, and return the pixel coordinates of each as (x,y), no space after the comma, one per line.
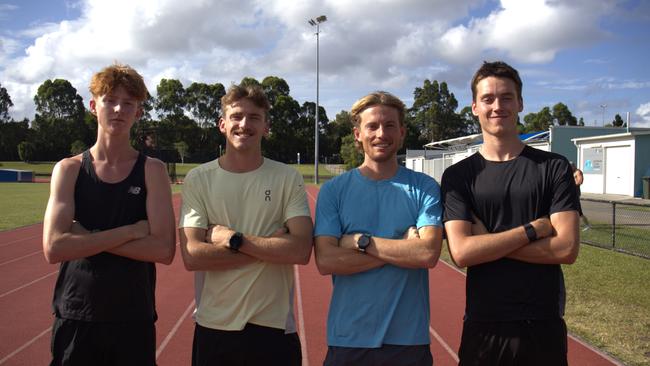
(530,231)
(235,242)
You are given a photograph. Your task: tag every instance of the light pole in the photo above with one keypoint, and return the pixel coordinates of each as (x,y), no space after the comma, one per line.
(316,22)
(603,106)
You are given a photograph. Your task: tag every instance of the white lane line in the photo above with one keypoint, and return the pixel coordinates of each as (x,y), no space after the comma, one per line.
(443,344)
(29,343)
(27,284)
(301,319)
(19,258)
(597,351)
(172,332)
(19,240)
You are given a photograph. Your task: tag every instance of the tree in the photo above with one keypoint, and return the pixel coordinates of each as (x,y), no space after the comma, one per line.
(5,104)
(181,147)
(562,116)
(204,102)
(351,156)
(59,100)
(78,147)
(581,122)
(433,112)
(540,121)
(11,134)
(26,151)
(275,87)
(618,121)
(469,121)
(171,98)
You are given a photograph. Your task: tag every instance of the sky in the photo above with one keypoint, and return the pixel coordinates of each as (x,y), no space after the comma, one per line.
(591,55)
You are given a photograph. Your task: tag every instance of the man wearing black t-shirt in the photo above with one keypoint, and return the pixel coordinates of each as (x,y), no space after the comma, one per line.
(510,217)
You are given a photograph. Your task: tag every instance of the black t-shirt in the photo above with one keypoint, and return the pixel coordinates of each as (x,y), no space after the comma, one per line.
(504,195)
(107,287)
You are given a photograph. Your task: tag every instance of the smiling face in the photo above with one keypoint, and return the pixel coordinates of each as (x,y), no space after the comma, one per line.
(244,124)
(497,106)
(380,133)
(116,111)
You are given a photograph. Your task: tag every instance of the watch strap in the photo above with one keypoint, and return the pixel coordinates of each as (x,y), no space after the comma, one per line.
(530,232)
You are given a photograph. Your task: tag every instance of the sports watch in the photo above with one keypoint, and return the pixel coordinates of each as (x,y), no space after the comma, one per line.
(530,232)
(235,242)
(363,242)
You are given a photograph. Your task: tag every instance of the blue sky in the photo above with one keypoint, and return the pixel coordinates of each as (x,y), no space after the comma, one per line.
(584,53)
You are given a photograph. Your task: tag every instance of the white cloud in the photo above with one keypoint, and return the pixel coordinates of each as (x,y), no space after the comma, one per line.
(644,112)
(364,45)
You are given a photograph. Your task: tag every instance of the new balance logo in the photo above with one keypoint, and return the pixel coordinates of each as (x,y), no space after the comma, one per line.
(135,190)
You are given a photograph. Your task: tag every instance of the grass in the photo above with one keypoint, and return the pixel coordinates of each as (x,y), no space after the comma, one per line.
(22,203)
(630,239)
(39,168)
(608,302)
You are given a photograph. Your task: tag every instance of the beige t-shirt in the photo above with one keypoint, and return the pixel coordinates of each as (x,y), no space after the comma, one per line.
(254,203)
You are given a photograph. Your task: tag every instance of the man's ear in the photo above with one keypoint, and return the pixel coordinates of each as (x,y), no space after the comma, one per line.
(93,107)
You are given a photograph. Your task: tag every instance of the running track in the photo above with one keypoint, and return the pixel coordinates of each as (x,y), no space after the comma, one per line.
(27,281)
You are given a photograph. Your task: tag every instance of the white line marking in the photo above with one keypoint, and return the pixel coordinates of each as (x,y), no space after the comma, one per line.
(171,333)
(19,240)
(19,258)
(29,343)
(301,319)
(597,351)
(443,344)
(27,284)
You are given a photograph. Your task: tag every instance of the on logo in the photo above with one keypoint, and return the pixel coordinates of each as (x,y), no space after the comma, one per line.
(267,195)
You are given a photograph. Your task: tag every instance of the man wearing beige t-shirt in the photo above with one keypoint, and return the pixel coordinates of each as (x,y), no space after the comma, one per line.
(244,223)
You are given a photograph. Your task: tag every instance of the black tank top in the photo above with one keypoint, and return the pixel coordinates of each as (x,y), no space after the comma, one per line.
(107,287)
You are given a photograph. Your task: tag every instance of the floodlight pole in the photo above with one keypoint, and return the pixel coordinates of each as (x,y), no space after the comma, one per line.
(316,22)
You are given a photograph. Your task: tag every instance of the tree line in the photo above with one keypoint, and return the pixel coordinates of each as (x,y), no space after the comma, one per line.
(185,126)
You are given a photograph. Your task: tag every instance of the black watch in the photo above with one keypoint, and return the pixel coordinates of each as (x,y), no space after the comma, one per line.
(363,242)
(530,232)
(235,242)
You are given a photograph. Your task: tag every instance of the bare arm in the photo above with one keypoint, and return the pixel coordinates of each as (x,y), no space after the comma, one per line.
(160,244)
(201,255)
(420,250)
(560,248)
(467,249)
(292,247)
(59,242)
(333,259)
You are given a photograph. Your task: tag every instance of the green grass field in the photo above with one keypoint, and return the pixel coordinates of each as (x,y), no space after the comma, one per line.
(608,297)
(39,168)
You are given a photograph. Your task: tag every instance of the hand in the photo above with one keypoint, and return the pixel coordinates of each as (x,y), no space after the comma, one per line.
(140,229)
(411,233)
(279,232)
(349,241)
(478,228)
(543,227)
(218,234)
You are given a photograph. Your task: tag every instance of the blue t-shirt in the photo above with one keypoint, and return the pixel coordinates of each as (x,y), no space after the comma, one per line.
(389,304)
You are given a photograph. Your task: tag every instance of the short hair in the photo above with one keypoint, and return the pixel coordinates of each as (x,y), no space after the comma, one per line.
(497,69)
(374,99)
(254,93)
(116,75)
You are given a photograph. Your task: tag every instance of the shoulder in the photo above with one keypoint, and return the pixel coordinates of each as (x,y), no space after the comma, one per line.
(462,168)
(203,170)
(154,165)
(277,166)
(542,157)
(68,166)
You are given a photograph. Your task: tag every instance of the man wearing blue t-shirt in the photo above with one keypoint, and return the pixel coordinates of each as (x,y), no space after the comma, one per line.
(378,229)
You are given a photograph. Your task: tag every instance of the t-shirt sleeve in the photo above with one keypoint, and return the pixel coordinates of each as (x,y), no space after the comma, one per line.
(297,204)
(328,222)
(430,213)
(455,197)
(193,211)
(565,194)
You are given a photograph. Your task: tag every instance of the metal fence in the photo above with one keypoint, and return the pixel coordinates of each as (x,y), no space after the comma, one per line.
(624,227)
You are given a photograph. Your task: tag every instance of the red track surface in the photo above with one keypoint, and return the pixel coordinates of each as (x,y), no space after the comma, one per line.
(27,281)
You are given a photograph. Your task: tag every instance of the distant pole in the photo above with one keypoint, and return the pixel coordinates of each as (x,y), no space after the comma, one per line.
(627,122)
(316,22)
(603,106)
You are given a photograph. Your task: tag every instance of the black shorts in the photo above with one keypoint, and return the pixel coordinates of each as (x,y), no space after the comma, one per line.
(523,342)
(254,345)
(76,342)
(387,355)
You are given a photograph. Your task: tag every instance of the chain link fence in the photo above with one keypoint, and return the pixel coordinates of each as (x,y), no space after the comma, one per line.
(624,227)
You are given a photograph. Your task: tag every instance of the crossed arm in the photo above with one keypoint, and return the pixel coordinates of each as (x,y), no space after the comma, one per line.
(417,249)
(149,240)
(557,241)
(205,250)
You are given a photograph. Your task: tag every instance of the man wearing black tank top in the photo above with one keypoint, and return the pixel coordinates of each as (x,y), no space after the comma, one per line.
(109,219)
(510,217)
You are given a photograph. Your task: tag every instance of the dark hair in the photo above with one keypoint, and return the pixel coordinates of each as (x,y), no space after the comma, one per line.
(497,69)
(254,93)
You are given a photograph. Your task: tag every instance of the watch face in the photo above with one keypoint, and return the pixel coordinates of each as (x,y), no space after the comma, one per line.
(363,242)
(236,241)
